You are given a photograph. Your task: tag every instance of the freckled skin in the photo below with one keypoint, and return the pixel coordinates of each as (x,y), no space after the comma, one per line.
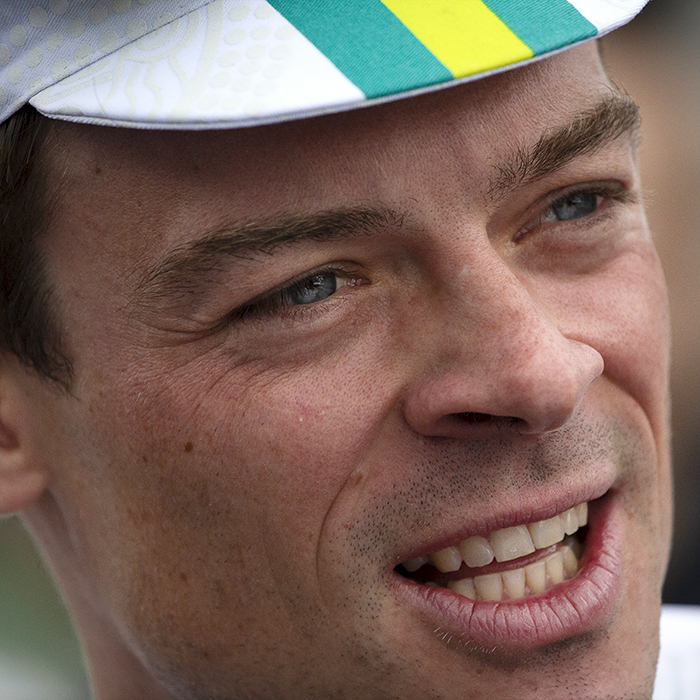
(213,545)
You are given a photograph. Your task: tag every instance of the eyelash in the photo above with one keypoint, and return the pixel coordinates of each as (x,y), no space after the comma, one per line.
(610,191)
(280,302)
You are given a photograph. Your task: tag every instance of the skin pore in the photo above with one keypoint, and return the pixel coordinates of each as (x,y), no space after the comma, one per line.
(308,352)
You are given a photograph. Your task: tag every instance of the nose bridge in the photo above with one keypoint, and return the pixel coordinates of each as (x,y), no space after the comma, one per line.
(498,353)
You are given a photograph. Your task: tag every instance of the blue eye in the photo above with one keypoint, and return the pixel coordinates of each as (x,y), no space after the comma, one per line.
(576,206)
(315,288)
(312,289)
(573,206)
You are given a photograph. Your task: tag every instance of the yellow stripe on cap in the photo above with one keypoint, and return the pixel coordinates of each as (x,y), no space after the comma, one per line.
(464,35)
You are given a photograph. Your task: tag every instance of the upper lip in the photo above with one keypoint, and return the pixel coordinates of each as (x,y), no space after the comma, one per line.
(503,518)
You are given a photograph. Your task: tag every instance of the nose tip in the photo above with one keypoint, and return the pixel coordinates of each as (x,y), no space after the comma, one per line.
(550,395)
(535,387)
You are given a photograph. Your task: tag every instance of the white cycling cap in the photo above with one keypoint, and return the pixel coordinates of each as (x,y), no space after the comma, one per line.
(202,64)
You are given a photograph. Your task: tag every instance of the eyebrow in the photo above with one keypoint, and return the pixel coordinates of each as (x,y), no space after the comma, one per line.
(184,272)
(615,116)
(188,270)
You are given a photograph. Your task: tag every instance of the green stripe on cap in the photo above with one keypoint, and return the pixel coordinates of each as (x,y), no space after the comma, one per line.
(466,36)
(366,42)
(544,25)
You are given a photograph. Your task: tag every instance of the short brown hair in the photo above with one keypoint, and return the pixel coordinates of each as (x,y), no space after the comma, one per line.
(29,328)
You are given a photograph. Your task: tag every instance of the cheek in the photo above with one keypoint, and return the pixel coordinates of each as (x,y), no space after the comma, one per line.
(229,489)
(634,336)
(296,438)
(255,458)
(202,502)
(622,312)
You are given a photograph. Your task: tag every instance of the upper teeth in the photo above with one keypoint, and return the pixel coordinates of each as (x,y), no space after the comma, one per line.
(506,544)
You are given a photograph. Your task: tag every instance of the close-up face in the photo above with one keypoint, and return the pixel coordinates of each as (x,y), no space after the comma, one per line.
(344,390)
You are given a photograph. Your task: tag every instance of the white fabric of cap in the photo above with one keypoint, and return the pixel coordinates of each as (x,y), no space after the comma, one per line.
(218,65)
(608,13)
(42,42)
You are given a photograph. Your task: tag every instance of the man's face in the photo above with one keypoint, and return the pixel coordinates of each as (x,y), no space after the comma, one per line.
(307,353)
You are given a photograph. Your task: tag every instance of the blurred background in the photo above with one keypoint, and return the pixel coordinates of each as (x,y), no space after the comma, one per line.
(657,60)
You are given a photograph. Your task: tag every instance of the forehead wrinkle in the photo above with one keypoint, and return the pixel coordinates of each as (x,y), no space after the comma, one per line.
(188,269)
(613,117)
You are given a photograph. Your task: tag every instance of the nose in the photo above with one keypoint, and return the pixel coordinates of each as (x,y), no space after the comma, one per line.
(497,357)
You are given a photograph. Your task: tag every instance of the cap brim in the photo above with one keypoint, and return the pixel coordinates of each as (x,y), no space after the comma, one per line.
(231,64)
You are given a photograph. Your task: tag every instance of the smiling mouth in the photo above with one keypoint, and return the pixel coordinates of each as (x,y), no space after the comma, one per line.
(507,564)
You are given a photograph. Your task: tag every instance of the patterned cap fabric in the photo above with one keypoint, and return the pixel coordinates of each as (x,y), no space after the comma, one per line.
(227,63)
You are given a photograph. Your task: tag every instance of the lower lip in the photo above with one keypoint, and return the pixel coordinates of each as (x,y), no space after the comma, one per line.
(569,609)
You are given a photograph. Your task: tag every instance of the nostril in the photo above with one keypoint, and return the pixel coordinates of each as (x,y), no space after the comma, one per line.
(472,418)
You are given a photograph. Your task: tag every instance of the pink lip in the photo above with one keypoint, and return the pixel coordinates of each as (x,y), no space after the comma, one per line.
(569,609)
